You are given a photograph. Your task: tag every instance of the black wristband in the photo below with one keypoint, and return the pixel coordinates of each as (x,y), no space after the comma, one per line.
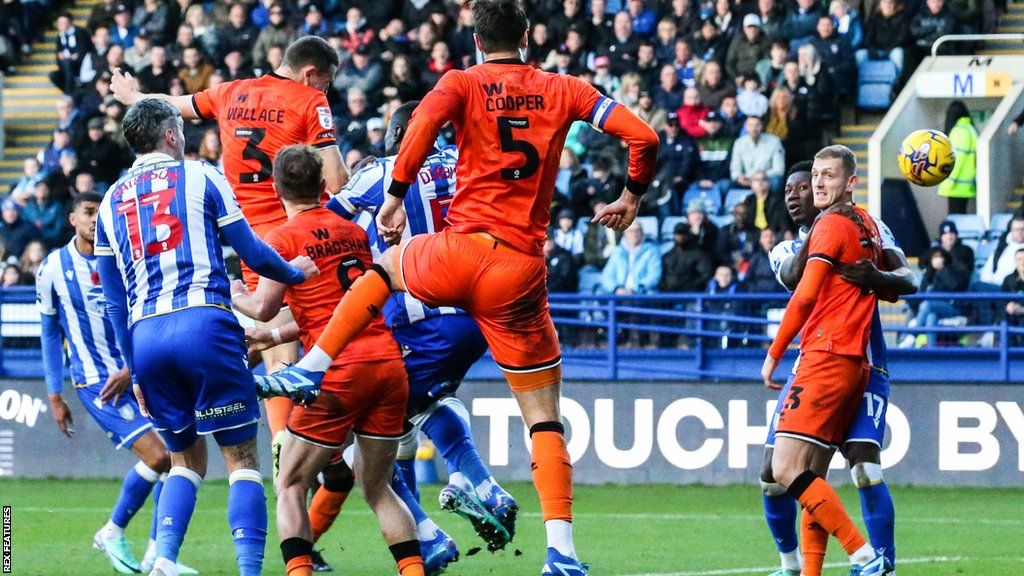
(636,187)
(398,189)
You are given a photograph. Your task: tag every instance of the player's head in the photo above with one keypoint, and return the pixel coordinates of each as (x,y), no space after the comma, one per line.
(501,26)
(310,60)
(833,176)
(396,127)
(298,174)
(83,215)
(152,125)
(800,195)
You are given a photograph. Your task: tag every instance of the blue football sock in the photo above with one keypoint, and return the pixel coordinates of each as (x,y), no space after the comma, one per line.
(247,517)
(157,490)
(137,485)
(405,468)
(406,495)
(781,513)
(451,434)
(177,502)
(880,518)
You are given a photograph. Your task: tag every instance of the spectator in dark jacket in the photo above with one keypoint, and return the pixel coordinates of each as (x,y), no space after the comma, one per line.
(1014,283)
(765,207)
(929,24)
(15,231)
(622,47)
(562,273)
(747,49)
(157,76)
(737,241)
(686,267)
(101,156)
(701,226)
(571,15)
(708,43)
(239,35)
(836,56)
(668,94)
(153,17)
(940,275)
(713,86)
(772,19)
(961,255)
(46,214)
(678,156)
(73,43)
(886,34)
(759,277)
(604,185)
(801,24)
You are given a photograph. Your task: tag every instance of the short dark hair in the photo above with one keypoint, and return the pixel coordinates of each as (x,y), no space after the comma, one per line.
(145,122)
(843,153)
(802,166)
(500,24)
(310,51)
(298,173)
(82,198)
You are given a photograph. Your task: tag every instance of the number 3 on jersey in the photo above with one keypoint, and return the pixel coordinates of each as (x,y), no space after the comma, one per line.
(166,227)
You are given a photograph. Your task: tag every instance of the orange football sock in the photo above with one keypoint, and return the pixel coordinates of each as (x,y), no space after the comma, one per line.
(411,566)
(324,510)
(300,566)
(826,509)
(552,471)
(278,411)
(360,305)
(813,543)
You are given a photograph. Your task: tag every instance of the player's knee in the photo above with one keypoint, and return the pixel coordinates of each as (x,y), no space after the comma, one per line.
(862,452)
(339,478)
(387,266)
(867,474)
(158,459)
(767,477)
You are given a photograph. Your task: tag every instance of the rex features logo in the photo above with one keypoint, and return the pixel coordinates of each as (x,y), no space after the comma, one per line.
(20,407)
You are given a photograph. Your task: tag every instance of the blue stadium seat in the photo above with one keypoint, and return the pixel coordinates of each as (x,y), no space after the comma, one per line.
(875,81)
(970,226)
(581,223)
(712,200)
(722,221)
(650,226)
(734,197)
(668,226)
(590,280)
(982,252)
(666,246)
(998,224)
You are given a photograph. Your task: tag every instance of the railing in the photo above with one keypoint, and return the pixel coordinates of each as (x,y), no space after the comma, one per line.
(678,337)
(975,38)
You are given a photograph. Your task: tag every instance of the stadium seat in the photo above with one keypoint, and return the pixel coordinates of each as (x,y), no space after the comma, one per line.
(666,246)
(668,226)
(998,224)
(970,226)
(590,280)
(711,198)
(734,197)
(722,221)
(581,223)
(650,226)
(982,252)
(875,82)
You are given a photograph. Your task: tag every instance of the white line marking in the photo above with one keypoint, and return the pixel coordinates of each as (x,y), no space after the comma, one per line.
(761,569)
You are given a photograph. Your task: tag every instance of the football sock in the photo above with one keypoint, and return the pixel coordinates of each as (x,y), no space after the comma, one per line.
(297,554)
(406,469)
(552,477)
(406,495)
(780,510)
(177,502)
(407,556)
(876,507)
(278,410)
(327,503)
(158,489)
(360,305)
(814,542)
(451,434)
(137,485)
(823,504)
(247,517)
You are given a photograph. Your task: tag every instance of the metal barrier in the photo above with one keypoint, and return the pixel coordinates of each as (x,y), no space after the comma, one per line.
(974,38)
(675,337)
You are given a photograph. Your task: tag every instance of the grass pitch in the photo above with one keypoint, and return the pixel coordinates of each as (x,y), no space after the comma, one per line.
(621,531)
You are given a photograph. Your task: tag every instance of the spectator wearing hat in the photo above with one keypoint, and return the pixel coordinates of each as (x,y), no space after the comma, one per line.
(634,266)
(72,44)
(709,43)
(887,34)
(153,17)
(238,36)
(756,152)
(278,32)
(668,94)
(715,147)
(961,254)
(836,56)
(123,32)
(713,85)
(686,267)
(46,214)
(362,72)
(747,49)
(101,156)
(801,24)
(603,76)
(566,235)
(374,137)
(157,75)
(15,231)
(678,159)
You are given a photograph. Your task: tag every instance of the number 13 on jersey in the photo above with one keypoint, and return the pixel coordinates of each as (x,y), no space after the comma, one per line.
(150,212)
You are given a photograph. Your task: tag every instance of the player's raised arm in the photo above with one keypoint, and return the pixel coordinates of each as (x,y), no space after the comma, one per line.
(126,89)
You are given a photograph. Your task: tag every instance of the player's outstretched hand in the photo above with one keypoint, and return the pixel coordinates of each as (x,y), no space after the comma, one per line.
(124,87)
(391,219)
(115,386)
(619,214)
(768,370)
(62,415)
(306,264)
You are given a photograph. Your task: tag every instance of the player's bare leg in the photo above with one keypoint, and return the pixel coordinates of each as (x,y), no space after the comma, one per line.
(801,466)
(300,463)
(374,466)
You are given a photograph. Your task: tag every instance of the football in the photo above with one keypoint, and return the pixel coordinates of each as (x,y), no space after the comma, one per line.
(926,157)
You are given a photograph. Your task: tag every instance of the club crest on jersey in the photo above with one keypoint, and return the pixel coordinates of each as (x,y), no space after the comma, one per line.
(323,114)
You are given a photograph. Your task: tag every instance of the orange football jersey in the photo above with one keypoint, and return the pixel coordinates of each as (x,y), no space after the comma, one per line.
(341,251)
(841,320)
(258,117)
(511,121)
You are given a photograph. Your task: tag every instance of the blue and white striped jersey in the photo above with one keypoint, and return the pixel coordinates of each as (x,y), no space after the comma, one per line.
(426,205)
(783,251)
(161,222)
(68,286)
